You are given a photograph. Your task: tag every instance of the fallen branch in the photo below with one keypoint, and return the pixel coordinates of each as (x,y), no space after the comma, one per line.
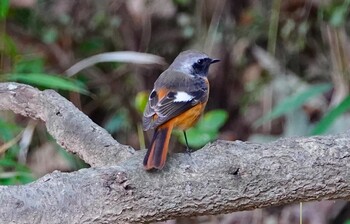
(220,178)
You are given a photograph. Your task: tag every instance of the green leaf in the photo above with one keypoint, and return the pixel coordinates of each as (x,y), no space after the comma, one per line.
(4,8)
(7,181)
(49,35)
(141,101)
(9,46)
(338,16)
(48,81)
(92,45)
(8,130)
(347,221)
(7,162)
(335,13)
(293,102)
(14,178)
(339,13)
(117,122)
(29,65)
(196,137)
(212,120)
(329,118)
(19,174)
(25,177)
(206,130)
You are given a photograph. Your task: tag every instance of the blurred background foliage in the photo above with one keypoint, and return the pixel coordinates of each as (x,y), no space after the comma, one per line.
(284,71)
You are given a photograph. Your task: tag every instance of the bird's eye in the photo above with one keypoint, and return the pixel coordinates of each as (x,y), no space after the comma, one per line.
(201,61)
(201,66)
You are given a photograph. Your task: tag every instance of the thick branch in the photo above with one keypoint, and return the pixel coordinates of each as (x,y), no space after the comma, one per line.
(72,129)
(222,177)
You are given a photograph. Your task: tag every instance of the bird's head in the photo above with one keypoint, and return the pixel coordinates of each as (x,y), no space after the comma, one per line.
(193,63)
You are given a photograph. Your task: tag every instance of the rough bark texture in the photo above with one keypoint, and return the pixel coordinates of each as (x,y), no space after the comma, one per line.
(72,129)
(220,178)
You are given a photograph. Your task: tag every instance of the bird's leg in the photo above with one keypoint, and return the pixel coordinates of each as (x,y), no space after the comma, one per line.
(188,150)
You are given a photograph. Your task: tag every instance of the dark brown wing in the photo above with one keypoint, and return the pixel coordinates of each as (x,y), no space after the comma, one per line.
(162,107)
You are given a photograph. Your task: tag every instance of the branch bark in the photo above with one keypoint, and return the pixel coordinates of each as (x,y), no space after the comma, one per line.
(220,178)
(72,129)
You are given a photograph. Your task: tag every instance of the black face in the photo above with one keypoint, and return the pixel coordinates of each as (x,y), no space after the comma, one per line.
(201,67)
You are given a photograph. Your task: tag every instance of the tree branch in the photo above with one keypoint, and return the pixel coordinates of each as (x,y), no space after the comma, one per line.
(220,178)
(72,129)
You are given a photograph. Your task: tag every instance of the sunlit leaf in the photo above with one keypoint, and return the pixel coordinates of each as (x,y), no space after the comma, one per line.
(6,162)
(141,101)
(4,8)
(196,137)
(48,81)
(206,130)
(213,120)
(293,102)
(333,114)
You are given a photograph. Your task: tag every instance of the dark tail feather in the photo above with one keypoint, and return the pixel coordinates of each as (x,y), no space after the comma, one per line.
(157,152)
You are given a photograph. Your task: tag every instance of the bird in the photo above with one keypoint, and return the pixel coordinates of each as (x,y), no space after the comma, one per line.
(177,100)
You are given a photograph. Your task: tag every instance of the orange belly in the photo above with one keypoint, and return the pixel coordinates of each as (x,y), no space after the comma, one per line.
(188,118)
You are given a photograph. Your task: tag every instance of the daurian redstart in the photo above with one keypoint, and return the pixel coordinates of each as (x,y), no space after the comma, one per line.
(177,100)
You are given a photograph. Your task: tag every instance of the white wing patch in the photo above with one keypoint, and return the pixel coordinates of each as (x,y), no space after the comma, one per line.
(183,97)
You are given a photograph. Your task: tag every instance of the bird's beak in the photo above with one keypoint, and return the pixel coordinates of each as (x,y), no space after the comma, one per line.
(214,61)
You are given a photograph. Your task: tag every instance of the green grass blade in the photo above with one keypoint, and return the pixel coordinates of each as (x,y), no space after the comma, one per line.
(293,102)
(48,81)
(330,117)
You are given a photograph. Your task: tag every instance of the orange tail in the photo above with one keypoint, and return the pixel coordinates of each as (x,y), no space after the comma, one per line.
(157,152)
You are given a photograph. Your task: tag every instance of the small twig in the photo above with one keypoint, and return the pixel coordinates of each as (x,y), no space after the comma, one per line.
(9,144)
(26,140)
